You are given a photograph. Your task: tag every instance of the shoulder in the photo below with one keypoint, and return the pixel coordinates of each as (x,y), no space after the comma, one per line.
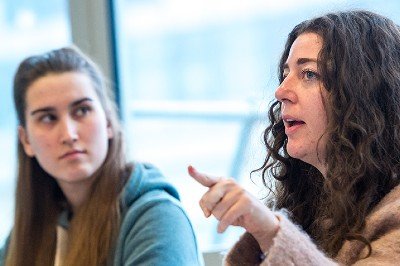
(152,203)
(385,216)
(382,229)
(143,179)
(382,226)
(155,228)
(156,231)
(149,194)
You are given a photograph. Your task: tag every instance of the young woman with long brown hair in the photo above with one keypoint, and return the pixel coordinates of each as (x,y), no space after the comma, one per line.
(78,202)
(333,149)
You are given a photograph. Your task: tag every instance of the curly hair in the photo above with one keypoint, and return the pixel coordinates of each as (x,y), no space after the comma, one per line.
(359,64)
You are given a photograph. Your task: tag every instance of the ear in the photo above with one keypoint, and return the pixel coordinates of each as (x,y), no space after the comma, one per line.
(23,137)
(110,131)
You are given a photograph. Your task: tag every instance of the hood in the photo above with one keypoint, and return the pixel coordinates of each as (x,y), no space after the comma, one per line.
(144,178)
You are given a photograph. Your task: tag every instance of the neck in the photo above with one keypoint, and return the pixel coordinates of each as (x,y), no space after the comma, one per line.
(321,167)
(76,194)
(323,170)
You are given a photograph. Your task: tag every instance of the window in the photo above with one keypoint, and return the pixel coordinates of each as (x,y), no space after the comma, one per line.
(196,77)
(26,27)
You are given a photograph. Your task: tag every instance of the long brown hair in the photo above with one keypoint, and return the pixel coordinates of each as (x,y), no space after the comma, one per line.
(360,69)
(39,199)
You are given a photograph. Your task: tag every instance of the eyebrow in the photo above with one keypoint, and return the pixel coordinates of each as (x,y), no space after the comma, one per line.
(49,109)
(301,61)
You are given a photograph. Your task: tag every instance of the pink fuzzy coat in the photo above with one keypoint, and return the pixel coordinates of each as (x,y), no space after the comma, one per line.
(291,246)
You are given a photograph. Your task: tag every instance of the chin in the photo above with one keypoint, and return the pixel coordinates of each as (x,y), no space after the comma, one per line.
(295,153)
(77,176)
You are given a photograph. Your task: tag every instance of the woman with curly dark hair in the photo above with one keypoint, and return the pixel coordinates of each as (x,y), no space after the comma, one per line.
(333,149)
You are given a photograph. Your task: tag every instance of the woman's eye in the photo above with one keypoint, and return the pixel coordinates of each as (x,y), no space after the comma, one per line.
(82,111)
(310,75)
(47,119)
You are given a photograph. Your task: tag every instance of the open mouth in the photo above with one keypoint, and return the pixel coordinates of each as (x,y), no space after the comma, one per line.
(292,122)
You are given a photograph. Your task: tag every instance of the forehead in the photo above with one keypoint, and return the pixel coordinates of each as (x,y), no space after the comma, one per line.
(59,89)
(306,45)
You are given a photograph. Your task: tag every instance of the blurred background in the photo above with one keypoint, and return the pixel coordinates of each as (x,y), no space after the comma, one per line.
(193,80)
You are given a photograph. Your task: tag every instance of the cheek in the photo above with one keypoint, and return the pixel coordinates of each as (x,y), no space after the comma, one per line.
(320,116)
(97,131)
(319,131)
(321,124)
(320,136)
(318,120)
(42,141)
(41,144)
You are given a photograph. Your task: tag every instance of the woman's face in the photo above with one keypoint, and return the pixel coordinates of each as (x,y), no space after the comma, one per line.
(301,95)
(66,127)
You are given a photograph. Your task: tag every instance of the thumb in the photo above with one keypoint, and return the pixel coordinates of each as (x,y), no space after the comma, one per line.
(203,179)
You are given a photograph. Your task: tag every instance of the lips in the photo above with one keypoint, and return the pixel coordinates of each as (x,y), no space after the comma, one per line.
(72,153)
(291,123)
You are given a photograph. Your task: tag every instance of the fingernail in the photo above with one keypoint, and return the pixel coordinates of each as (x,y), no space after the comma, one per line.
(191,168)
(221,228)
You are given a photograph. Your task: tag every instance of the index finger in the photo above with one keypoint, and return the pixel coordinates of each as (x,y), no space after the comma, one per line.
(203,179)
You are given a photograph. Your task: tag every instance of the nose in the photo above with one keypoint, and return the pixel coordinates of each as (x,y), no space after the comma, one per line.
(68,131)
(286,90)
